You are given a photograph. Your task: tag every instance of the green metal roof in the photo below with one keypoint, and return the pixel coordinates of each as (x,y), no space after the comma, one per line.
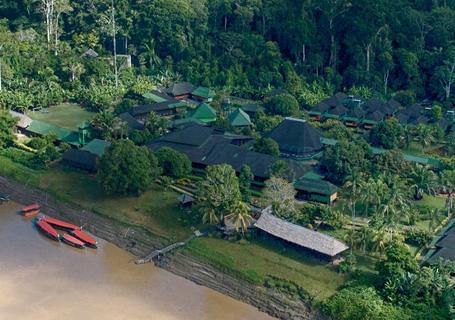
(328,141)
(44,128)
(351,119)
(97,147)
(204,113)
(154,97)
(369,121)
(203,92)
(332,116)
(412,158)
(313,175)
(239,118)
(315,186)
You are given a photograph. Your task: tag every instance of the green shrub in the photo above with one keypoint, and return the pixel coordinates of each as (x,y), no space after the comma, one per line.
(418,237)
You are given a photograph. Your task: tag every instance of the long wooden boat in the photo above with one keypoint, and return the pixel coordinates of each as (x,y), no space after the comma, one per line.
(31,207)
(29,214)
(60,224)
(47,229)
(85,237)
(72,241)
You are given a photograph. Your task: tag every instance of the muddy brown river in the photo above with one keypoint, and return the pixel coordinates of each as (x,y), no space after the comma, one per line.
(47,280)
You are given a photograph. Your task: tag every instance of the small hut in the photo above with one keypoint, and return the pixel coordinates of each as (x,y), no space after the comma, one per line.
(186,201)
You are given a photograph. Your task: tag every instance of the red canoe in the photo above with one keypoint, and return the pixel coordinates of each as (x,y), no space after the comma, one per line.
(31,207)
(47,229)
(86,238)
(72,241)
(60,224)
(30,213)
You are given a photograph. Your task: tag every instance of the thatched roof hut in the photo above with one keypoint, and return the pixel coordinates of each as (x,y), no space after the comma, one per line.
(320,243)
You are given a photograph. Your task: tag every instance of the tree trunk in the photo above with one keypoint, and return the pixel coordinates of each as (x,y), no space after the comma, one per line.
(303,53)
(449,203)
(56,33)
(386,81)
(368,52)
(114,44)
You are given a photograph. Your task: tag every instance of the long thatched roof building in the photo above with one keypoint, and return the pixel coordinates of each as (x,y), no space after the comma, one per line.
(322,244)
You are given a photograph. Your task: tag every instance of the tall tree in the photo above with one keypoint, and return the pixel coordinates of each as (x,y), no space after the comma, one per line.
(423,181)
(7,124)
(240,216)
(448,183)
(127,169)
(281,195)
(219,193)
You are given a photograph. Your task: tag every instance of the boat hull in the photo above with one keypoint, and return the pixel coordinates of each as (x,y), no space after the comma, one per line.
(29,214)
(60,224)
(88,240)
(31,207)
(47,230)
(72,241)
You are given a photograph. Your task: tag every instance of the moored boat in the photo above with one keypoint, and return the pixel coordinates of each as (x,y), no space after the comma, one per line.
(31,207)
(29,214)
(85,237)
(47,229)
(72,241)
(60,224)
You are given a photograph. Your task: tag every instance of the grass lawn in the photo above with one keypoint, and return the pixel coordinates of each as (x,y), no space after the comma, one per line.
(432,202)
(65,115)
(255,260)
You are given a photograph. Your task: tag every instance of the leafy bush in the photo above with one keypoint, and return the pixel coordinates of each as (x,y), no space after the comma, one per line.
(19,156)
(418,237)
(283,104)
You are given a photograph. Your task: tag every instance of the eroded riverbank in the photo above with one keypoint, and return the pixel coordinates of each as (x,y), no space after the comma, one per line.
(140,242)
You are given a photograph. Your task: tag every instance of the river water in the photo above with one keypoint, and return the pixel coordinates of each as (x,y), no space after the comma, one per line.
(46,280)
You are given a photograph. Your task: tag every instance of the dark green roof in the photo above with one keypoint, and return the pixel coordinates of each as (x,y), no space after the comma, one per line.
(97,147)
(154,97)
(239,118)
(315,186)
(203,92)
(44,128)
(204,113)
(297,137)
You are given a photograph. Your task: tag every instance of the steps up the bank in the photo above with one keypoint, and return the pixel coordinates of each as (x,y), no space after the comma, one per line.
(161,252)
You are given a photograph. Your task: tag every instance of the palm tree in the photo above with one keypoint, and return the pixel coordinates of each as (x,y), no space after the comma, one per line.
(372,193)
(240,216)
(209,215)
(434,216)
(423,179)
(363,236)
(150,53)
(408,135)
(395,200)
(448,183)
(353,185)
(119,128)
(380,240)
(425,135)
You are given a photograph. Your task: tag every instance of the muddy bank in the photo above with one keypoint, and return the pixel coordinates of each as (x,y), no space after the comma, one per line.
(141,242)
